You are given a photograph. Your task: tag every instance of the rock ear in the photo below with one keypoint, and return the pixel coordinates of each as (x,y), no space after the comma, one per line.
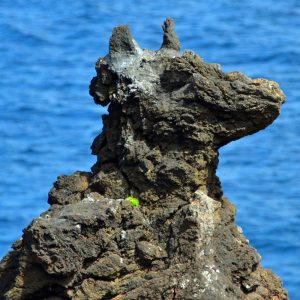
(170,39)
(122,42)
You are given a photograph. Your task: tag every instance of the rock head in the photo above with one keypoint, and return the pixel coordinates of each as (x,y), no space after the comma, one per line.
(168,115)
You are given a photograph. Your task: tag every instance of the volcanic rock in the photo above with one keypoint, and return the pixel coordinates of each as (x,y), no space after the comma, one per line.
(168,115)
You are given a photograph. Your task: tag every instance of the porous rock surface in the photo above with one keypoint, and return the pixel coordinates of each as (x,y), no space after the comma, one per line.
(169,113)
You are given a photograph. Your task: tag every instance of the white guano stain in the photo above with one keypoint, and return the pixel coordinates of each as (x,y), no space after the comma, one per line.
(123,234)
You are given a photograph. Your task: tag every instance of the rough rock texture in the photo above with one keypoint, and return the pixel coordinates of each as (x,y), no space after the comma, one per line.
(169,113)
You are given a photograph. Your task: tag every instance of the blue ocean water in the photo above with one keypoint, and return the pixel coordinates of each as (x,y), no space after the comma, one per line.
(47,119)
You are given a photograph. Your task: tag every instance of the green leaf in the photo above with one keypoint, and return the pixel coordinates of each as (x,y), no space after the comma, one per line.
(134,201)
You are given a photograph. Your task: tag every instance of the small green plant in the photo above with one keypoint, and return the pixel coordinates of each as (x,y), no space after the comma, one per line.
(134,201)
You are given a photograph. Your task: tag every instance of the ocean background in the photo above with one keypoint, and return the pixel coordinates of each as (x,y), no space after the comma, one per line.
(48,120)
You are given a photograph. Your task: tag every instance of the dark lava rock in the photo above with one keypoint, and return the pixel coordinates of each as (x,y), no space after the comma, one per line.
(169,113)
(170,39)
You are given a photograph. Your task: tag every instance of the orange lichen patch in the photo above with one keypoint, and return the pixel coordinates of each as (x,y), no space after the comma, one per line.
(234,74)
(272,85)
(259,81)
(119,297)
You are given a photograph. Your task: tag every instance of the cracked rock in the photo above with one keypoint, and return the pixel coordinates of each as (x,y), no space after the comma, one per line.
(149,252)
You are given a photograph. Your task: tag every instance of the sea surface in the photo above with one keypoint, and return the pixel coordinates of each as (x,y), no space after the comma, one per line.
(48,120)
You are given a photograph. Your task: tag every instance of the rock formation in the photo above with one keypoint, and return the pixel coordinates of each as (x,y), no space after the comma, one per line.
(169,113)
